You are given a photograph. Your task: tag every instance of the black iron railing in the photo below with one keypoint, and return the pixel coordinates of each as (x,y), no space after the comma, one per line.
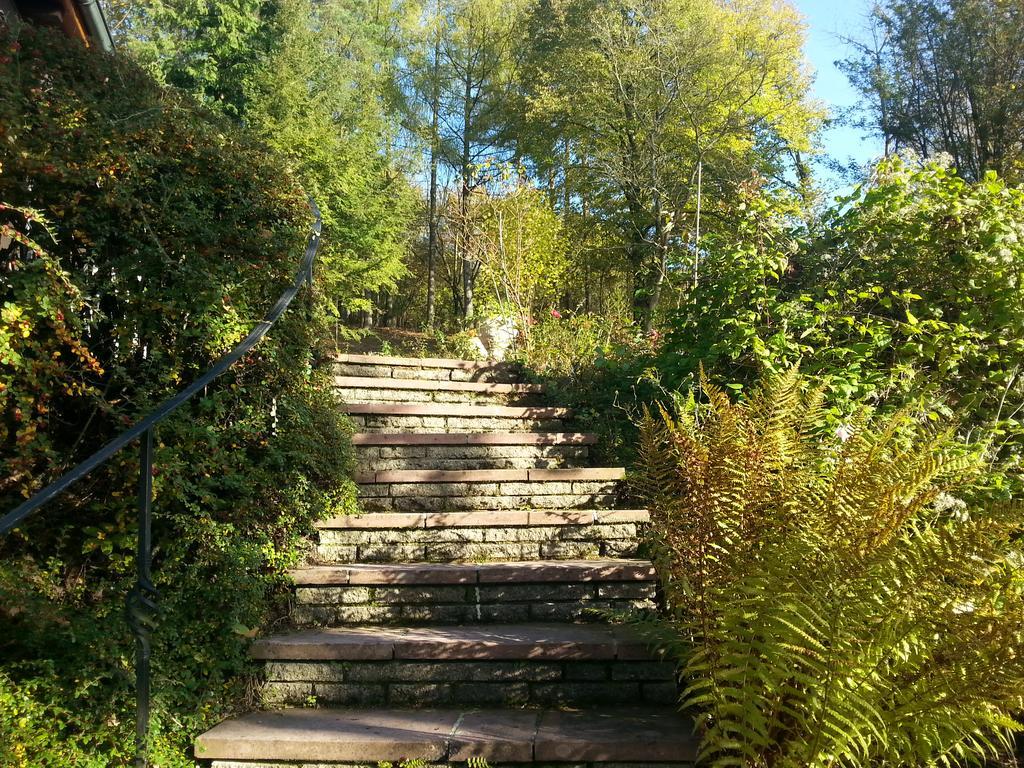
(141,600)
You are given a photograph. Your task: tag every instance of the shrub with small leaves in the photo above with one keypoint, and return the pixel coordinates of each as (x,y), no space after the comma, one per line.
(141,238)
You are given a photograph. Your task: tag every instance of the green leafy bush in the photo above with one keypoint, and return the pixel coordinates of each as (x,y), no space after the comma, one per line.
(830,602)
(906,294)
(603,367)
(171,233)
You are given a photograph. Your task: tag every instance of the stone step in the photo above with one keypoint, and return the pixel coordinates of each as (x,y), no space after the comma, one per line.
(502,664)
(441,369)
(462,457)
(482,535)
(362,389)
(470,450)
(504,642)
(446,417)
(451,417)
(472,438)
(534,475)
(290,738)
(483,519)
(471,593)
(505,489)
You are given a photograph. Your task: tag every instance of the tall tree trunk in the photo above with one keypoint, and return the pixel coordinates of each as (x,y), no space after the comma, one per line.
(468,272)
(566,196)
(435,108)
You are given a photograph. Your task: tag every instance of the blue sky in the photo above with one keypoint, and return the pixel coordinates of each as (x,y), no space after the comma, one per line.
(828,21)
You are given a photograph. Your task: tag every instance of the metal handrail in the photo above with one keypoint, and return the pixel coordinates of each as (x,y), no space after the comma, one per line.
(141,600)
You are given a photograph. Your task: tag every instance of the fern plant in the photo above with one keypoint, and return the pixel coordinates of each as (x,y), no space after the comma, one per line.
(829,601)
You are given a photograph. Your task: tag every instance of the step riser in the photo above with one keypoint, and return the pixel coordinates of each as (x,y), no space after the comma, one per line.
(485,683)
(468,603)
(381,458)
(500,488)
(351,395)
(402,497)
(438,764)
(492,375)
(553,460)
(487,503)
(439,545)
(378,423)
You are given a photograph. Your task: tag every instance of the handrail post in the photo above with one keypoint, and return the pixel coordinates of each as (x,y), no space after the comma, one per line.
(141,599)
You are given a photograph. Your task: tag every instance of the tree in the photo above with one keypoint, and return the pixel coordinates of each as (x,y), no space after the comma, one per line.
(480,57)
(520,245)
(943,76)
(640,94)
(314,81)
(209,48)
(323,99)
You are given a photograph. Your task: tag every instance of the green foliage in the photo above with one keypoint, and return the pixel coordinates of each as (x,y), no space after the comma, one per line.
(322,99)
(906,294)
(521,249)
(41,350)
(632,96)
(943,77)
(829,601)
(313,81)
(208,48)
(602,367)
(170,234)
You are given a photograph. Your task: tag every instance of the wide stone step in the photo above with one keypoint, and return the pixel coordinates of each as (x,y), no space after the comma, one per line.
(362,389)
(294,737)
(481,535)
(582,590)
(502,664)
(403,489)
(451,417)
(459,451)
(472,438)
(446,457)
(533,475)
(499,489)
(441,369)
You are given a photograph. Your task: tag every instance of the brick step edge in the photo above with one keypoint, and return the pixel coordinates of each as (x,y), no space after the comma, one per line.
(581,474)
(365,574)
(458,410)
(435,385)
(368,736)
(494,642)
(485,519)
(424,362)
(473,438)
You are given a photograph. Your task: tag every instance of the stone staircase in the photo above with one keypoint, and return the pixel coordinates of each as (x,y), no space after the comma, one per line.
(459,618)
